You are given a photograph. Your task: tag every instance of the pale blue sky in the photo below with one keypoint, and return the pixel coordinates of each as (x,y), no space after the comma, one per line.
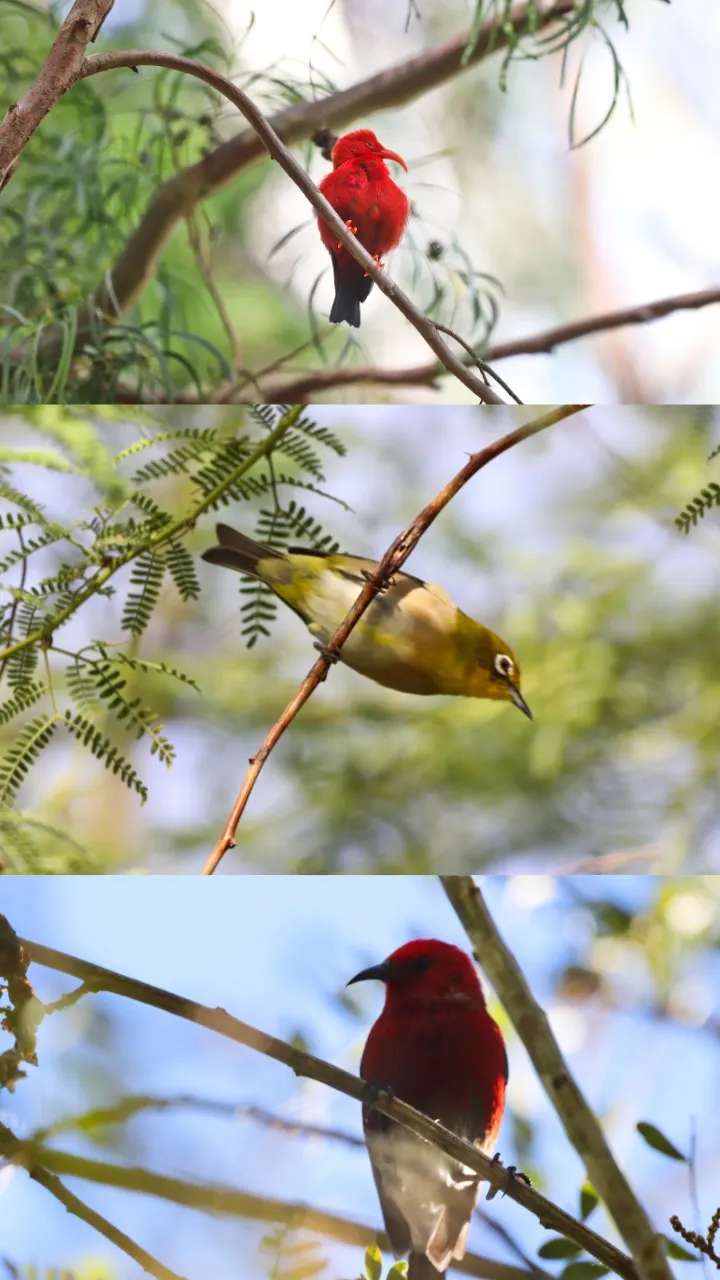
(280,969)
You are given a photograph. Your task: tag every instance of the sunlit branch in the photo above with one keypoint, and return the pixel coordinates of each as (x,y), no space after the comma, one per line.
(579,1121)
(308,1066)
(24,1156)
(219,1198)
(394,558)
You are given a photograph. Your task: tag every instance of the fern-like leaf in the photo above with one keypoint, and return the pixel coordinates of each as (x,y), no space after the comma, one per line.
(103,749)
(99,685)
(34,736)
(25,696)
(147,575)
(698,508)
(182,569)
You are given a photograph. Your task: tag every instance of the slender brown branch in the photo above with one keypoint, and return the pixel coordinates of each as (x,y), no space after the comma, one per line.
(306,1065)
(427,329)
(394,558)
(579,1121)
(25,1157)
(299,390)
(58,74)
(174,199)
(220,1198)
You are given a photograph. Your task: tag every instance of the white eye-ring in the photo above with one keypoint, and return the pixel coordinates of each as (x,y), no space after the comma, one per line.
(504,665)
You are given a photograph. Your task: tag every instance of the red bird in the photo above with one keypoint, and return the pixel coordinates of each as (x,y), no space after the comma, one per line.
(362,192)
(436,1046)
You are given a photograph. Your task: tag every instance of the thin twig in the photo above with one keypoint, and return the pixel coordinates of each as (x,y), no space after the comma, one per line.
(25,1157)
(100,62)
(579,1121)
(219,1198)
(298,390)
(394,558)
(122,283)
(306,1065)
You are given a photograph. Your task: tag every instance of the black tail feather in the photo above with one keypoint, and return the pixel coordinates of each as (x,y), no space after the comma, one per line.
(349,293)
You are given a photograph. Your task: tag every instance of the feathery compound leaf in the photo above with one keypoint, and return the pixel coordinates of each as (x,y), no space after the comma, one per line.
(33,510)
(206,434)
(147,574)
(699,507)
(182,569)
(163,668)
(101,747)
(35,735)
(93,686)
(25,695)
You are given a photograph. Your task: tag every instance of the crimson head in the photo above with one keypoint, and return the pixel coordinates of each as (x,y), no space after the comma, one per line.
(360,145)
(426,970)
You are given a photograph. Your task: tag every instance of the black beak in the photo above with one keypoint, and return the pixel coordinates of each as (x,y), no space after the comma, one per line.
(520,702)
(380,973)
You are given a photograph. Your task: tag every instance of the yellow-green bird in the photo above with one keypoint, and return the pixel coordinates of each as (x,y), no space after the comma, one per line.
(412,637)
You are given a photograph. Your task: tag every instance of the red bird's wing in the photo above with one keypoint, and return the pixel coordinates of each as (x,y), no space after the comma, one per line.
(454,1069)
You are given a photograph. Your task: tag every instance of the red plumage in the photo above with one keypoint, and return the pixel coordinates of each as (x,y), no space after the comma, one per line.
(437,1047)
(361,191)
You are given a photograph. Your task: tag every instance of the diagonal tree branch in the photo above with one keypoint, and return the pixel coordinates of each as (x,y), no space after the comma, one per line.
(299,390)
(278,151)
(394,558)
(220,1198)
(308,1066)
(579,1121)
(176,198)
(59,74)
(24,1156)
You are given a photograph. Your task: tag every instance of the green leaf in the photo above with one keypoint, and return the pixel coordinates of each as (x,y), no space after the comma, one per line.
(676,1251)
(373,1262)
(589,1200)
(559,1247)
(583,1271)
(658,1141)
(398,1271)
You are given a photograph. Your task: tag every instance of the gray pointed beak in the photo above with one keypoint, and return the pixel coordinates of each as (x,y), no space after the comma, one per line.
(378,971)
(520,702)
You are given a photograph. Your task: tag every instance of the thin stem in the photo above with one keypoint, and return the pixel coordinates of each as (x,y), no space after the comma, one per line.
(308,1066)
(394,558)
(579,1121)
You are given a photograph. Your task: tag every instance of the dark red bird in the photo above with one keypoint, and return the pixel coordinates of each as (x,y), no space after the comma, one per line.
(362,192)
(436,1046)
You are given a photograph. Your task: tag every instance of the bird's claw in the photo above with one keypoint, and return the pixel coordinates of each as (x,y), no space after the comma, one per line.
(330,657)
(367,575)
(513,1175)
(374,1092)
(376,258)
(351,228)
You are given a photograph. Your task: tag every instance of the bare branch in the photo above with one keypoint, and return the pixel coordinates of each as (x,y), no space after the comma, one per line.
(308,1066)
(220,1198)
(426,328)
(24,1156)
(579,1121)
(57,76)
(179,195)
(299,390)
(394,558)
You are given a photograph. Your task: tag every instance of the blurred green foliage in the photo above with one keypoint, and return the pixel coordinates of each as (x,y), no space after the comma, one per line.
(210,311)
(613,612)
